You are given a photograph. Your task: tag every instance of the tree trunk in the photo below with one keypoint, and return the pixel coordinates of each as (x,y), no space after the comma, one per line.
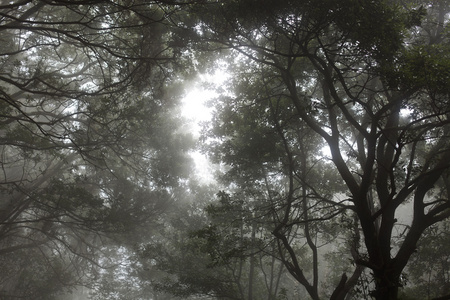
(386,285)
(252,264)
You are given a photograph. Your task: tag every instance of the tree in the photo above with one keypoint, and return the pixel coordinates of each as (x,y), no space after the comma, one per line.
(171,264)
(366,80)
(428,272)
(207,252)
(90,146)
(259,150)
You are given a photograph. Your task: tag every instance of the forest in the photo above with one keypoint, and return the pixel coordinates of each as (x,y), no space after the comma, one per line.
(325,141)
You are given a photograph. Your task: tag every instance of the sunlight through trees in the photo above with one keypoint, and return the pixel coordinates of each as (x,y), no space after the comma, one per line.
(241,149)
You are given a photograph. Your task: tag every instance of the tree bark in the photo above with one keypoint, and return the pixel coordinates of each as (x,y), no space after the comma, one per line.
(252,265)
(386,285)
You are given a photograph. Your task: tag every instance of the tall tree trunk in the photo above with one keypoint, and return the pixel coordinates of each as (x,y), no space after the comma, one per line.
(386,285)
(252,264)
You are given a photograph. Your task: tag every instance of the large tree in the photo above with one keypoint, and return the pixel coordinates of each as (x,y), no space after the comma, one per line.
(366,82)
(89,144)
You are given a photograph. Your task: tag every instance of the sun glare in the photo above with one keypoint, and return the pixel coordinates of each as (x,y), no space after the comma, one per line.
(196,111)
(194,104)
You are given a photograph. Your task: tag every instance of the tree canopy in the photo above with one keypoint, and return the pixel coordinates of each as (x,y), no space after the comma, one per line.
(330,136)
(90,146)
(339,77)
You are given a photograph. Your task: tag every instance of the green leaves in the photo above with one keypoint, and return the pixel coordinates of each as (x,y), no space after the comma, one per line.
(376,27)
(429,267)
(92,148)
(425,67)
(366,79)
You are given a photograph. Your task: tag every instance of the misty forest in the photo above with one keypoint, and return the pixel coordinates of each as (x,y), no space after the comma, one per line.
(312,162)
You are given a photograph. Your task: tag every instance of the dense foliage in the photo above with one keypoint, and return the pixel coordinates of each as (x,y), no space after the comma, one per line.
(90,148)
(330,137)
(335,118)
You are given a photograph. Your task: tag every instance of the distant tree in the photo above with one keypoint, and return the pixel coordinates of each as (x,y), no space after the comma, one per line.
(210,253)
(90,146)
(339,110)
(428,273)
